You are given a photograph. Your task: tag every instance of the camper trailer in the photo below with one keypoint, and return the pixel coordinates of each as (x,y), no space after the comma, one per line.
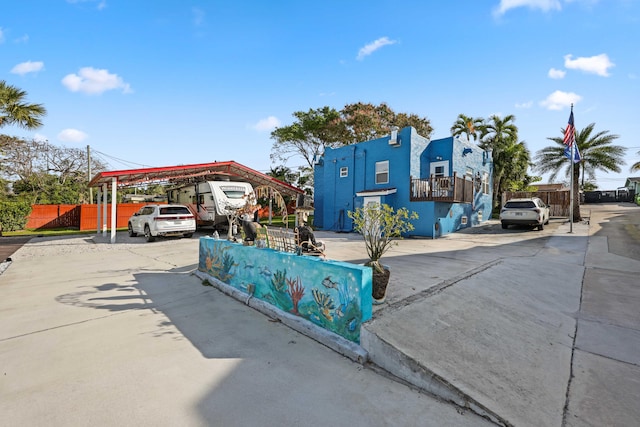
(209,200)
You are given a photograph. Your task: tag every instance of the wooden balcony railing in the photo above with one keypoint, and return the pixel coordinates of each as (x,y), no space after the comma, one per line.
(441,189)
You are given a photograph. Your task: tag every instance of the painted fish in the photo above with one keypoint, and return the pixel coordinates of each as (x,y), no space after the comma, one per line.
(327,283)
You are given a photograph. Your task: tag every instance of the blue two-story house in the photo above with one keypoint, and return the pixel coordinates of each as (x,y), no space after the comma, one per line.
(448,182)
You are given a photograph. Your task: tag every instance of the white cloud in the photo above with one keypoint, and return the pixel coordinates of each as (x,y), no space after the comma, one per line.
(28,67)
(373,46)
(94,81)
(559,100)
(23,39)
(556,74)
(598,64)
(72,135)
(527,104)
(544,5)
(1,35)
(267,124)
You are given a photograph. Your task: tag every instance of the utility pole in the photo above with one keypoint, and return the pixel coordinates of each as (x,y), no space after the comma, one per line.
(89,173)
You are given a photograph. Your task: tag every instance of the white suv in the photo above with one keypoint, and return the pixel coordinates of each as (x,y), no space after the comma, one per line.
(162,220)
(531,211)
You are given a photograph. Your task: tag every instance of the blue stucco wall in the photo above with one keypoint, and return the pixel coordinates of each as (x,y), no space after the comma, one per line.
(412,157)
(332,294)
(338,195)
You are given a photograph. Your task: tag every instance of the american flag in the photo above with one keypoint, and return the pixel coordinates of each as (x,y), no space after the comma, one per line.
(570,139)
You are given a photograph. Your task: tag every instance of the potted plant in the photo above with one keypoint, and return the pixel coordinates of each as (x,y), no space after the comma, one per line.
(380,225)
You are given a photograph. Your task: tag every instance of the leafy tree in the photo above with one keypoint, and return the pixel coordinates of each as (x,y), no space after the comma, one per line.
(315,130)
(364,122)
(46,173)
(283,174)
(469,126)
(596,152)
(308,136)
(15,111)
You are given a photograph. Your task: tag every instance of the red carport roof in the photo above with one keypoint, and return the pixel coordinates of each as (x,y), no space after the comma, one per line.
(204,171)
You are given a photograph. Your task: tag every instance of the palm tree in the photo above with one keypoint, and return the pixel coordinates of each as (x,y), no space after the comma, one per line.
(636,165)
(596,153)
(472,127)
(15,111)
(500,135)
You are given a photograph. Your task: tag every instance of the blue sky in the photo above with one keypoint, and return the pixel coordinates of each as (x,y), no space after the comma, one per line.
(156,83)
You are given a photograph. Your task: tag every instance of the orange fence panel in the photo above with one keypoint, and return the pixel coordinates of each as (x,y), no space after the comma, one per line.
(82,217)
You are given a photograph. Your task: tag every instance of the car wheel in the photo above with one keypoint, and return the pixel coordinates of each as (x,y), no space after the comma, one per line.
(505,226)
(131,232)
(541,226)
(147,234)
(188,235)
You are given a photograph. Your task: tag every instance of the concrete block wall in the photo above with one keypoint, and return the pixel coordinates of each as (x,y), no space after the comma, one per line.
(334,295)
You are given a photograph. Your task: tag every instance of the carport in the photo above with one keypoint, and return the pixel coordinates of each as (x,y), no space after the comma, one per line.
(204,171)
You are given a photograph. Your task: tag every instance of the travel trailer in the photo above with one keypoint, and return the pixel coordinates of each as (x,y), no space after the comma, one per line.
(209,200)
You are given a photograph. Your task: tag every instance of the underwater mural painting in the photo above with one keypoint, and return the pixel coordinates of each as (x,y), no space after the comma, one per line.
(334,295)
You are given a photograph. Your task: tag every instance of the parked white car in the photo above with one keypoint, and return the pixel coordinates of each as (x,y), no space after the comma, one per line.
(530,211)
(162,220)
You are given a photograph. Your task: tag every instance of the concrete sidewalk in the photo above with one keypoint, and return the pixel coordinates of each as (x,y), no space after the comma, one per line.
(524,328)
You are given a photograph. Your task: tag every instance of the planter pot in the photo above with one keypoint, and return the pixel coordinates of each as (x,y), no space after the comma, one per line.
(379,285)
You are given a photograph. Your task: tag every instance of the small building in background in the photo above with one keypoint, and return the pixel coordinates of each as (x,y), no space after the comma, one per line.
(447,181)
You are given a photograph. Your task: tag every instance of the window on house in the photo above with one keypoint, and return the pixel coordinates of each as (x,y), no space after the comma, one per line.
(468,174)
(438,171)
(382,172)
(485,183)
(344,172)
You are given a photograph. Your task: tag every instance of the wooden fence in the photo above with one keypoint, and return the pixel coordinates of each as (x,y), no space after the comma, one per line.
(559,201)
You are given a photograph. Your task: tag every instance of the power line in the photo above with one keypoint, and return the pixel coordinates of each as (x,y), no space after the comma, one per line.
(121,161)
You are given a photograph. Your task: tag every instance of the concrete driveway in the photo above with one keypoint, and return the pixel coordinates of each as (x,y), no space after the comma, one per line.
(124,335)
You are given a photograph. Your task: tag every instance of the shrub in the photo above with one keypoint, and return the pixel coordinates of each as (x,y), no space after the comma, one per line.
(14,214)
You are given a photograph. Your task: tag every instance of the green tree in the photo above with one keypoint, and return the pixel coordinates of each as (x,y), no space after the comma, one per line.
(365,121)
(315,130)
(14,110)
(308,136)
(596,153)
(469,126)
(45,173)
(500,136)
(636,165)
(283,174)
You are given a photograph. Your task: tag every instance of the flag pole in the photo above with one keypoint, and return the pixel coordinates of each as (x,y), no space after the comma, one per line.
(571,180)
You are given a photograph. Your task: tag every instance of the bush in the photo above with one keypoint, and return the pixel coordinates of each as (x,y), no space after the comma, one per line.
(380,225)
(14,214)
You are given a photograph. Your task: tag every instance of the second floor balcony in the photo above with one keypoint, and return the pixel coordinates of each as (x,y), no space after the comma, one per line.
(442,189)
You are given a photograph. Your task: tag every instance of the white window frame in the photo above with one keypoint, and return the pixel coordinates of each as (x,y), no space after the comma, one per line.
(344,171)
(382,169)
(485,183)
(434,165)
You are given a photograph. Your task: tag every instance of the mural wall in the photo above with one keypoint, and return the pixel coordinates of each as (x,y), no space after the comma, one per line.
(332,294)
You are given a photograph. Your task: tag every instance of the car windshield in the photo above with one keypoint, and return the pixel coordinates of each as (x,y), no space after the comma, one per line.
(174,210)
(526,204)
